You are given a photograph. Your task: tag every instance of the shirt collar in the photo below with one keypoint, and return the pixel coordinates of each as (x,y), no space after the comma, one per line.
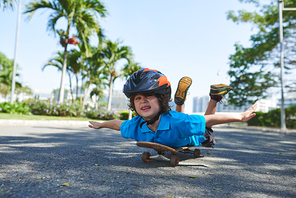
(163,124)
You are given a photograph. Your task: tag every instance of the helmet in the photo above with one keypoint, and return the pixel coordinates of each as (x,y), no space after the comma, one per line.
(147,81)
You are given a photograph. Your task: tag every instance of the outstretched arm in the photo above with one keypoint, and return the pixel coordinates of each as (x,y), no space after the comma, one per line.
(215,119)
(112,124)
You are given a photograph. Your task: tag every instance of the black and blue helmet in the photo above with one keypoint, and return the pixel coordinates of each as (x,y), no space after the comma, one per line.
(147,81)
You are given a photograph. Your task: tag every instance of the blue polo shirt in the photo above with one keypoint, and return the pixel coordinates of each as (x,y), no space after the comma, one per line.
(175,129)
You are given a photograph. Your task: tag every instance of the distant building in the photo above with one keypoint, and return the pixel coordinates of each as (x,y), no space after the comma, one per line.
(22,96)
(290,100)
(56,95)
(119,100)
(265,105)
(200,105)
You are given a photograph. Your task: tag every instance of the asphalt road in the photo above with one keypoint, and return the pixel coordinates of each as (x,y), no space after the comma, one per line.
(35,161)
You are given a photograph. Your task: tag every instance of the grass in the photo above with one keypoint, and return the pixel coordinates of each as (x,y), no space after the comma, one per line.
(39,117)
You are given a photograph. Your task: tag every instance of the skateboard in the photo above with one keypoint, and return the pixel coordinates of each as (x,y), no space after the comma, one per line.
(162,149)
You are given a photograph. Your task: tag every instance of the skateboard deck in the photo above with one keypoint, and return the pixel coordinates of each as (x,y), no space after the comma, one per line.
(162,149)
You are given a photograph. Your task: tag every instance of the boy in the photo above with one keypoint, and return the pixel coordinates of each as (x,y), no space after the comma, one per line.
(149,94)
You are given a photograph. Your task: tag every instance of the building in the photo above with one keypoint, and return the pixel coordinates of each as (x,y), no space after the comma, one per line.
(200,105)
(290,100)
(119,100)
(266,105)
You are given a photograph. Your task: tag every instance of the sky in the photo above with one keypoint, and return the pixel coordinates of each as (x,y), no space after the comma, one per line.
(179,38)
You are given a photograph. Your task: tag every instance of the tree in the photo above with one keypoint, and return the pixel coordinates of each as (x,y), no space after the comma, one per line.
(130,68)
(93,73)
(57,61)
(75,65)
(6,72)
(113,52)
(7,4)
(80,15)
(254,70)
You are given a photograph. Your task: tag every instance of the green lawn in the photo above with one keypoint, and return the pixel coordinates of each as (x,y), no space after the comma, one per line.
(38,117)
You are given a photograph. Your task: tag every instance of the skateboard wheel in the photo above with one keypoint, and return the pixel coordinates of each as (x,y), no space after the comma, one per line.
(146,157)
(196,153)
(174,160)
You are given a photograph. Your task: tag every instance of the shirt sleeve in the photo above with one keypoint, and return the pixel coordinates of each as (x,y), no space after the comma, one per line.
(128,127)
(193,125)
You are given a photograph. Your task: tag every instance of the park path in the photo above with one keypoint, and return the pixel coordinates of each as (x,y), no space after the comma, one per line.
(35,161)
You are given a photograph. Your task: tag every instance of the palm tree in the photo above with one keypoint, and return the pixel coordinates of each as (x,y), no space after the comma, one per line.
(79,14)
(93,72)
(7,4)
(127,71)
(130,68)
(57,62)
(112,54)
(6,73)
(75,59)
(73,65)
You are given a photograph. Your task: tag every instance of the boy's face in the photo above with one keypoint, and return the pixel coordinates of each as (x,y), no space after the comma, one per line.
(146,106)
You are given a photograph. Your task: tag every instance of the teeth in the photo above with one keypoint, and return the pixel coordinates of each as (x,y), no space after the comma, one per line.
(145,108)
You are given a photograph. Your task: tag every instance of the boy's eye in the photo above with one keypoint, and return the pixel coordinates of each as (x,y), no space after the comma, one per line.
(138,98)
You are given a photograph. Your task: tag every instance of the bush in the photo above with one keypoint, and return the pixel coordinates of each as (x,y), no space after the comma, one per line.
(291,117)
(15,108)
(273,118)
(101,113)
(124,115)
(67,108)
(53,108)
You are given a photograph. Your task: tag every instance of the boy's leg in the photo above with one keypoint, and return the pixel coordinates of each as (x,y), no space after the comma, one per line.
(180,108)
(181,92)
(211,109)
(217,92)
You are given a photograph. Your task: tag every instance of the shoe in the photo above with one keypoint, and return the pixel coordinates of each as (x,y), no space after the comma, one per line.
(183,86)
(217,92)
(210,141)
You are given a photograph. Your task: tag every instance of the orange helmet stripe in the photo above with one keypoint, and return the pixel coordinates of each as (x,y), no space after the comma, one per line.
(147,69)
(163,80)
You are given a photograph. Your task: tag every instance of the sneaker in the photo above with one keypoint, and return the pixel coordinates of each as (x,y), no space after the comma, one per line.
(183,86)
(217,92)
(209,135)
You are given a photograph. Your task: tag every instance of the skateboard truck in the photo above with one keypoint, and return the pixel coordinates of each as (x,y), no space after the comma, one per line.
(162,149)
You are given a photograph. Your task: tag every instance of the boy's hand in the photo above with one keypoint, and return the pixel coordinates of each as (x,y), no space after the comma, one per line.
(112,124)
(94,125)
(247,115)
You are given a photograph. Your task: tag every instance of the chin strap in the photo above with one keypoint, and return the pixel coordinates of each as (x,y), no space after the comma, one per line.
(152,120)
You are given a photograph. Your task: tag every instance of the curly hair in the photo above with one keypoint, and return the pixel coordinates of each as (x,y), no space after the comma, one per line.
(163,101)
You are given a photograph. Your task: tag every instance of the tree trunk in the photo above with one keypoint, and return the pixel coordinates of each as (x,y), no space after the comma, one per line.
(85,95)
(110,92)
(76,86)
(130,115)
(61,96)
(70,81)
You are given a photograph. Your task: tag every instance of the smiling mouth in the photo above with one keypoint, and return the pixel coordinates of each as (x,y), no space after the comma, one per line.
(145,108)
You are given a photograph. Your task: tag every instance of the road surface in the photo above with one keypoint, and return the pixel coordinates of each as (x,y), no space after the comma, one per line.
(76,161)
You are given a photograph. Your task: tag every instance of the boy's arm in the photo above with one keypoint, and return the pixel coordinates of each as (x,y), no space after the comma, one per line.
(215,119)
(112,124)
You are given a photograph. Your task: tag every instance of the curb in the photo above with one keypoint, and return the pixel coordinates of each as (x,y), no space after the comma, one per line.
(291,132)
(41,123)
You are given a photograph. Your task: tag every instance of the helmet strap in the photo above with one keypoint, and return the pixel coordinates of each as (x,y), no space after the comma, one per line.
(152,121)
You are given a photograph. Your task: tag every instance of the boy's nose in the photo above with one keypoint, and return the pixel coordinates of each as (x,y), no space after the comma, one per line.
(144,99)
